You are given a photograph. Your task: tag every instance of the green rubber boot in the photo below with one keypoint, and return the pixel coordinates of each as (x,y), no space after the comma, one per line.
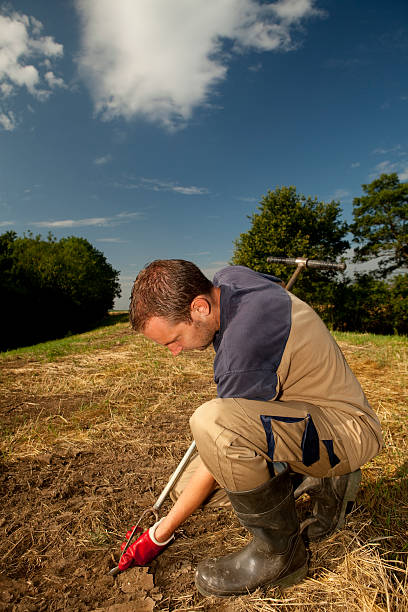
(276,556)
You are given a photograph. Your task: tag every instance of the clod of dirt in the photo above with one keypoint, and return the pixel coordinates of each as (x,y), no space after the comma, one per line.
(44,458)
(135,580)
(137,605)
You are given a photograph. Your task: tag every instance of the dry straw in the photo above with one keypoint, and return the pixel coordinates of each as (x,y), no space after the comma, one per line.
(90,438)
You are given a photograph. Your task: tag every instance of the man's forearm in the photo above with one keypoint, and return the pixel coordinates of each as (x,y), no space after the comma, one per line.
(197,490)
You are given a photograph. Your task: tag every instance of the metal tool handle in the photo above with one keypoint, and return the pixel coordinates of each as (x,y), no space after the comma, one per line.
(175,476)
(156,507)
(308,263)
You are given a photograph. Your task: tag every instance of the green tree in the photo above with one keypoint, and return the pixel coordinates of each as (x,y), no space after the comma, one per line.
(289,224)
(6,259)
(379,226)
(50,287)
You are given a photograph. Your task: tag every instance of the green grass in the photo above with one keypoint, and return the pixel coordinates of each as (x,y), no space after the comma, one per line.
(363,339)
(380,350)
(103,336)
(99,338)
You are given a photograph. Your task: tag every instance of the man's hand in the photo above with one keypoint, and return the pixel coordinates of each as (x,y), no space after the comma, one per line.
(148,546)
(145,549)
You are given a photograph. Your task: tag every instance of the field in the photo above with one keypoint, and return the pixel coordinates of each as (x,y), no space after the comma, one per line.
(91,429)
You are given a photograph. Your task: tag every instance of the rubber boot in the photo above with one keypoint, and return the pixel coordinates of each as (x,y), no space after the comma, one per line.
(332,498)
(275,556)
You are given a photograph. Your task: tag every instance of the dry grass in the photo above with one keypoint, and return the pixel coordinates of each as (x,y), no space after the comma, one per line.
(94,400)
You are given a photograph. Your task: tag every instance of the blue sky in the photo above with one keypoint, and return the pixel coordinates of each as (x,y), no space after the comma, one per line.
(153,128)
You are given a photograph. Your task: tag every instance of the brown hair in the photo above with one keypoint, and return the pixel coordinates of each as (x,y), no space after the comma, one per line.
(166,288)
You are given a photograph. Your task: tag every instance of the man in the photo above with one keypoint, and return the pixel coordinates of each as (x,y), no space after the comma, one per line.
(288,404)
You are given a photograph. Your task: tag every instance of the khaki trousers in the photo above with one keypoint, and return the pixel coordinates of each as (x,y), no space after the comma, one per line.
(238,440)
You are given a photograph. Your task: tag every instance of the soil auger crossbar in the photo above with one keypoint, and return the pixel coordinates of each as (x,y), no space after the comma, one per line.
(304,262)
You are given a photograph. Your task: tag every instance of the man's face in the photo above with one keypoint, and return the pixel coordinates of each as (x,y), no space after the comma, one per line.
(183,336)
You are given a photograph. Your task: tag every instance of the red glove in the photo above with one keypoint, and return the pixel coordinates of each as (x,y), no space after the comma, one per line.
(145,549)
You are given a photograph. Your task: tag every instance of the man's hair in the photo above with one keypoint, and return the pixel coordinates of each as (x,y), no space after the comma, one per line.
(166,288)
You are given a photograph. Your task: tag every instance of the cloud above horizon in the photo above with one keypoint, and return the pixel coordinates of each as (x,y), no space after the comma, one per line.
(123,217)
(159,185)
(104,159)
(398,164)
(340,194)
(388,166)
(161,60)
(25,53)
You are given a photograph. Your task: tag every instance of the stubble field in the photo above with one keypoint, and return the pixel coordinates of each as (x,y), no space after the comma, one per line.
(91,429)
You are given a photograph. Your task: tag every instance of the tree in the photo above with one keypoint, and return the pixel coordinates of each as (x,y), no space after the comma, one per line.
(379,226)
(290,225)
(6,259)
(369,304)
(51,288)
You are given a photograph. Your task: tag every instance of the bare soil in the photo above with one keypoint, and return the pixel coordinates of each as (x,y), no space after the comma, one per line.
(86,459)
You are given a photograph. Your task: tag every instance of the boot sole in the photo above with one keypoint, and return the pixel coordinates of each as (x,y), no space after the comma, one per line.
(349,498)
(283,583)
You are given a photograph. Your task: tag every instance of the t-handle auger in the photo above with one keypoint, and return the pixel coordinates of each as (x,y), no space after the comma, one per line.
(158,504)
(304,262)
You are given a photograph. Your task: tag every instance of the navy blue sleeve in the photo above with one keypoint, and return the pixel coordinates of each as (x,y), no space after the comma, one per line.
(255,326)
(256,384)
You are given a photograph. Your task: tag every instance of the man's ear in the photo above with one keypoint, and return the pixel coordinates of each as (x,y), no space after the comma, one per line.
(200,306)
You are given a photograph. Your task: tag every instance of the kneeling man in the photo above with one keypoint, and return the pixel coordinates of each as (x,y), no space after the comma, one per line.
(288,408)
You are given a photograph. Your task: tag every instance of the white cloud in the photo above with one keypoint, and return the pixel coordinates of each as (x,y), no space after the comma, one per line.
(388,166)
(340,194)
(22,44)
(156,185)
(127,215)
(112,240)
(89,222)
(104,159)
(8,121)
(6,223)
(247,199)
(382,151)
(6,89)
(355,165)
(54,81)
(255,67)
(400,166)
(73,222)
(126,185)
(161,59)
(403,173)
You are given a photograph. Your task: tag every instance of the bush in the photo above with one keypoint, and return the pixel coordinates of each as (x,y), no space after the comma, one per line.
(370,305)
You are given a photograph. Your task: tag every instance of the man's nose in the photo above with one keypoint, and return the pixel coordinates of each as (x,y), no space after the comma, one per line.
(175,349)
